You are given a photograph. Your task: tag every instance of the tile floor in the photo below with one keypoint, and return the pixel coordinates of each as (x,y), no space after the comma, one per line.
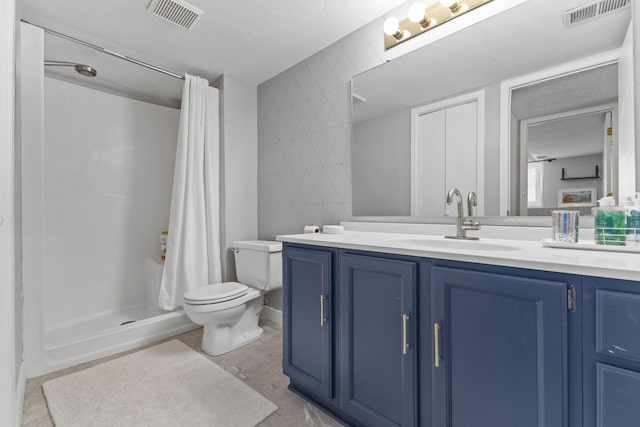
(258,364)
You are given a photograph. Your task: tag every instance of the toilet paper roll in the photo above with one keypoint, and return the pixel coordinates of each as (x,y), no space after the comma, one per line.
(309,229)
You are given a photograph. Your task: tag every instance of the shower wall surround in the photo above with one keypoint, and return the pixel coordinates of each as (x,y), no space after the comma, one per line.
(108,172)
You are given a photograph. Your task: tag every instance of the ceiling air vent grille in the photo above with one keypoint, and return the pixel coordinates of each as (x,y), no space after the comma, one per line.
(592,10)
(177,12)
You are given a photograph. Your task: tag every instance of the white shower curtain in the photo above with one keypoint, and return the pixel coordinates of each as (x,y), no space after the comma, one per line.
(193,247)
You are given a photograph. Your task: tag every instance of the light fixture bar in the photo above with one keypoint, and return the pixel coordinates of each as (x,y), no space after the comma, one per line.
(437,14)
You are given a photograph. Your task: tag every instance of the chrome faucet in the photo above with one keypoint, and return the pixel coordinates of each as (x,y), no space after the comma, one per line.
(472,200)
(462,225)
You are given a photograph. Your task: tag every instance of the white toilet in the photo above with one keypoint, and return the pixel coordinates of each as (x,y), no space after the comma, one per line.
(229,311)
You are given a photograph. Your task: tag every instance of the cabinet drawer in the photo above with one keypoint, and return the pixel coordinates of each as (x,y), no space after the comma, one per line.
(618,324)
(618,396)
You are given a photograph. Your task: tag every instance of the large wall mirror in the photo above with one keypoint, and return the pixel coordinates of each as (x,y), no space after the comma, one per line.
(507,108)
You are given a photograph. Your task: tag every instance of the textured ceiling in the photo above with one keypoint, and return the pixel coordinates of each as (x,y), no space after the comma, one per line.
(571,92)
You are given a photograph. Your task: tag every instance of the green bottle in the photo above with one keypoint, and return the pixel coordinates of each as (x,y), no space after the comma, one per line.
(633,226)
(610,223)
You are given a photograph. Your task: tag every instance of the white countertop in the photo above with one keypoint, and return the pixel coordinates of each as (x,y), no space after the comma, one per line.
(512,253)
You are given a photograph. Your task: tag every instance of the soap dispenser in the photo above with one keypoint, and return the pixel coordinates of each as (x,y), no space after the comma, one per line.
(610,223)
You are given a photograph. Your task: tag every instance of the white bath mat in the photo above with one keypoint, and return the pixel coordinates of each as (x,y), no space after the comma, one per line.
(165,385)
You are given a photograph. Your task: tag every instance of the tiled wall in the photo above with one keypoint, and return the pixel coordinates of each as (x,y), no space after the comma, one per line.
(304,134)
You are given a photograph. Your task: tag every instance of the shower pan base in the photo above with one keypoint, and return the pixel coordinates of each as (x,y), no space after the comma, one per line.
(104,335)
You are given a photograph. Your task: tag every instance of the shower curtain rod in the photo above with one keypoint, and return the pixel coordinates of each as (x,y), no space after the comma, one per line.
(107,51)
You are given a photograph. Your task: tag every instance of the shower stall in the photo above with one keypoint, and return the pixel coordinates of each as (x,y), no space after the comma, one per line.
(97,171)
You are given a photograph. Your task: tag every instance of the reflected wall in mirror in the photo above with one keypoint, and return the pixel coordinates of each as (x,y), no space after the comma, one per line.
(525,39)
(565,139)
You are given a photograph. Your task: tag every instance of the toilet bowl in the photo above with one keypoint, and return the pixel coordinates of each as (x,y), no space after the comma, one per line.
(230,311)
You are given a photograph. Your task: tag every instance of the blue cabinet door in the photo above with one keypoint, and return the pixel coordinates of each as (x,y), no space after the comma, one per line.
(377,340)
(611,352)
(307,319)
(500,343)
(618,397)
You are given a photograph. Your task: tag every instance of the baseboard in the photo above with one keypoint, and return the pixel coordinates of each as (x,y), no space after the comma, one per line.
(272,314)
(21,383)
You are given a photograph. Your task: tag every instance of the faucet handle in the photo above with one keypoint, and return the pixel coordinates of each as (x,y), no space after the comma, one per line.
(470,224)
(472,200)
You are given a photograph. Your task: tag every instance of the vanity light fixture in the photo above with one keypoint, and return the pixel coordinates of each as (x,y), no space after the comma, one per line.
(391,27)
(454,5)
(421,18)
(417,14)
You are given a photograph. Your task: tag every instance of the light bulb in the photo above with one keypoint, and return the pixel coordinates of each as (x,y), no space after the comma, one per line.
(416,12)
(391,26)
(454,5)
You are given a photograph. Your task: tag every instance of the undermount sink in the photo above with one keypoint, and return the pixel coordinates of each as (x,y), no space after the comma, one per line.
(443,243)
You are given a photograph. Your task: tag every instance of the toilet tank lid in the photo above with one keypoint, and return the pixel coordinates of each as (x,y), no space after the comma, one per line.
(259,245)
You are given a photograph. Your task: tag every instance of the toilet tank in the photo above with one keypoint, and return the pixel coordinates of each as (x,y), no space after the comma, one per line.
(259,263)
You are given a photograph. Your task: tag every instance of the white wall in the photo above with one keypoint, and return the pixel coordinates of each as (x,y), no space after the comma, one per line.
(492,150)
(19,301)
(628,143)
(381,150)
(31,111)
(9,328)
(574,166)
(635,27)
(239,138)
(107,173)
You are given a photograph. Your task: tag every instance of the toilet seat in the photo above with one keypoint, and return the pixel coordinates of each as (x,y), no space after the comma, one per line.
(216,293)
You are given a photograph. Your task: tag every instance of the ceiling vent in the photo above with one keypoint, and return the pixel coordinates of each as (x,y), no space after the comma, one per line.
(177,12)
(592,10)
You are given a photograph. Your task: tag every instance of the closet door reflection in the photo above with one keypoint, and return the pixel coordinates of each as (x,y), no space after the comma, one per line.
(444,155)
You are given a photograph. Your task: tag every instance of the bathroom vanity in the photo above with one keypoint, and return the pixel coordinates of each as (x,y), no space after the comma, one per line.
(384,329)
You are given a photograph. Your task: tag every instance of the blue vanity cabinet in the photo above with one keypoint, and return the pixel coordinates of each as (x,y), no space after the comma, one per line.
(378,340)
(360,342)
(499,349)
(611,337)
(308,287)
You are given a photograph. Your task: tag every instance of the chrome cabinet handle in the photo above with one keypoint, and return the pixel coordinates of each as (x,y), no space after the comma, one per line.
(405,345)
(436,344)
(322,318)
